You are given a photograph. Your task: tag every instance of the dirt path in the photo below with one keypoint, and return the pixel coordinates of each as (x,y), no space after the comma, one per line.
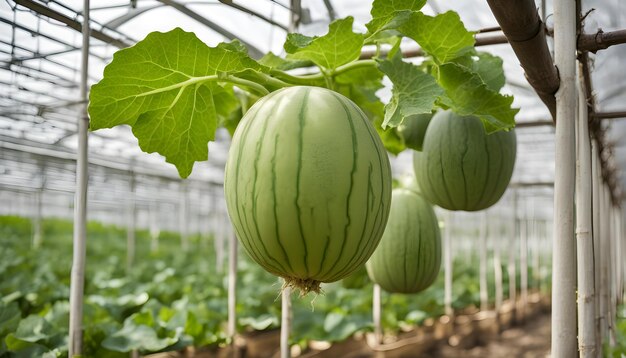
(529,341)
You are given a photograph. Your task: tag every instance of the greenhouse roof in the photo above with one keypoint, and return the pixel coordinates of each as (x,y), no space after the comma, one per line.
(40,43)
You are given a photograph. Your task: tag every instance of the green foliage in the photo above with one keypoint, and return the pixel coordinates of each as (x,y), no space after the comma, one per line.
(165,96)
(177,298)
(330,51)
(467,94)
(414,92)
(175,91)
(451,40)
(619,349)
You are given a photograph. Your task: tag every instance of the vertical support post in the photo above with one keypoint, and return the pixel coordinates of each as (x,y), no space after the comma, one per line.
(220,221)
(182,217)
(77,279)
(232,287)
(376,313)
(523,262)
(130,225)
(447,262)
(606,263)
(511,267)
(155,231)
(536,235)
(482,248)
(597,241)
(497,270)
(285,327)
(37,229)
(564,245)
(584,239)
(602,261)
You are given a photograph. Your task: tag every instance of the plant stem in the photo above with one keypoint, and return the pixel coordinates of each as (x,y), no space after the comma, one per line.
(245,83)
(311,79)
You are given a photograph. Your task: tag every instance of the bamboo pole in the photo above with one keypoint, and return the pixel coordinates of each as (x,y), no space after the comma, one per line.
(497,270)
(232,287)
(564,250)
(536,248)
(285,327)
(603,262)
(523,263)
(584,239)
(154,226)
(37,231)
(606,262)
(482,251)
(77,280)
(376,314)
(183,217)
(511,267)
(130,226)
(597,240)
(447,262)
(220,219)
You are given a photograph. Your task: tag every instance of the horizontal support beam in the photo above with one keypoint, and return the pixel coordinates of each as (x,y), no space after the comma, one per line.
(37,148)
(539,123)
(526,33)
(253,13)
(601,40)
(74,24)
(481,40)
(609,115)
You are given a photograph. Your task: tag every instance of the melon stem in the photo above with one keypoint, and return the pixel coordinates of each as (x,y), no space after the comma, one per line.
(305,286)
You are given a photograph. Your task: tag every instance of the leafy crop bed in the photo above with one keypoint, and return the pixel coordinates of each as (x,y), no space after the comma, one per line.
(171,298)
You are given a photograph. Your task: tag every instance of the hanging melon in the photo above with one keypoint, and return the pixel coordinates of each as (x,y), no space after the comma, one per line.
(308,186)
(408,257)
(461,167)
(413,129)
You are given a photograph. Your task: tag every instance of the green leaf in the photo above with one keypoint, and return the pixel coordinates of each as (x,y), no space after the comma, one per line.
(489,68)
(444,36)
(260,323)
(295,42)
(9,318)
(414,92)
(338,47)
(160,87)
(391,14)
(133,337)
(33,329)
(467,94)
(284,64)
(192,326)
(23,349)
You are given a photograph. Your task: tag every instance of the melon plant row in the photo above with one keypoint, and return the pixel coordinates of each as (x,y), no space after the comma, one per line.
(307,180)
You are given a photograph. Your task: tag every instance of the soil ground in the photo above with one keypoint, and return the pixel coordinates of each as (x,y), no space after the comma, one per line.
(531,340)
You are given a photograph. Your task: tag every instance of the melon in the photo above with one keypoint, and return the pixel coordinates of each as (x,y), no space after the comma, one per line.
(307,186)
(413,129)
(408,257)
(461,167)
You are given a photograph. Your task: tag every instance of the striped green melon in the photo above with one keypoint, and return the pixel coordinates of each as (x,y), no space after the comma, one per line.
(307,186)
(461,167)
(413,129)
(408,257)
